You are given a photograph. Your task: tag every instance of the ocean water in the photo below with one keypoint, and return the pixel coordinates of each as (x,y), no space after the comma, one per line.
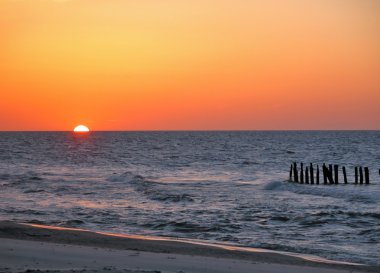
(225,187)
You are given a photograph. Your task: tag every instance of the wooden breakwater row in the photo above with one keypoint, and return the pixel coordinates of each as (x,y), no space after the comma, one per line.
(330,174)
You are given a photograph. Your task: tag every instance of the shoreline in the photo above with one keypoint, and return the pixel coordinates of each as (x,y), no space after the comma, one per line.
(29,234)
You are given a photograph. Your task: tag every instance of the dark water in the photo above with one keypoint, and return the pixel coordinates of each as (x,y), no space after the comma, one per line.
(216,186)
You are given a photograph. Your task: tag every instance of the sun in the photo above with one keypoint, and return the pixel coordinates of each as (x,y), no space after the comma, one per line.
(81,129)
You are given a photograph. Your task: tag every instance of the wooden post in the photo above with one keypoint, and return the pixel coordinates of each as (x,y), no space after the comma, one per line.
(295,172)
(301,174)
(330,174)
(356,175)
(307,175)
(291,173)
(344,175)
(366,175)
(336,172)
(361,174)
(324,171)
(317,175)
(311,174)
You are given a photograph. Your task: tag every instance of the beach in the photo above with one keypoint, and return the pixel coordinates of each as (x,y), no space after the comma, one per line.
(33,248)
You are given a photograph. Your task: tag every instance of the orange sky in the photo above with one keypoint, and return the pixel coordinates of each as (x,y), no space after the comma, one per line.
(191,64)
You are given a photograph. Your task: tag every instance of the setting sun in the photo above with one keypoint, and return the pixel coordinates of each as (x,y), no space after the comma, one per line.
(81,129)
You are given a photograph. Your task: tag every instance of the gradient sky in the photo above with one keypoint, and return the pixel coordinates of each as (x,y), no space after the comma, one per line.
(191,64)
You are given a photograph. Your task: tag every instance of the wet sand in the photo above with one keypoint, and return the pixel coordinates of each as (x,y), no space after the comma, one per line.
(26,248)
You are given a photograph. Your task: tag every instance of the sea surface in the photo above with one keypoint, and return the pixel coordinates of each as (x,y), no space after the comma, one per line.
(225,187)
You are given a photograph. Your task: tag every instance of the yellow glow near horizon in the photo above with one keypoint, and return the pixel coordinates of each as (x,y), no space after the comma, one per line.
(81,129)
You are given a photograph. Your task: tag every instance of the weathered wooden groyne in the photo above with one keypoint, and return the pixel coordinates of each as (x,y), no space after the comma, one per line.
(310,174)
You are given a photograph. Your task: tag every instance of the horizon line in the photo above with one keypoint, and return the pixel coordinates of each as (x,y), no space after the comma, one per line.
(202,130)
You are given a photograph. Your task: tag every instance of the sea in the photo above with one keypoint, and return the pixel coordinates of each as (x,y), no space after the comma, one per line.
(227,187)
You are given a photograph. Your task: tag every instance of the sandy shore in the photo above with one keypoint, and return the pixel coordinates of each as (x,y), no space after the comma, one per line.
(25,248)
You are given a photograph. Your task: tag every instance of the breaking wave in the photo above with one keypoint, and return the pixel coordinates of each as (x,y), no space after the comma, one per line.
(151,189)
(352,193)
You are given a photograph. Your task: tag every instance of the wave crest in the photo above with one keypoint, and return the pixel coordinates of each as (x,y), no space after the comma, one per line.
(151,189)
(348,192)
